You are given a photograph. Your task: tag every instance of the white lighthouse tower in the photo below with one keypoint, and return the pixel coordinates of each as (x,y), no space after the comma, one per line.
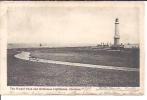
(116,36)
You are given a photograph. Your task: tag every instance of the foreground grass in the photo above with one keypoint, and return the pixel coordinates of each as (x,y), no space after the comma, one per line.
(25,73)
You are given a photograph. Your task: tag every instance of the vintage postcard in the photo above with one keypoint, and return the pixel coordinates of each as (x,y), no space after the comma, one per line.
(72,48)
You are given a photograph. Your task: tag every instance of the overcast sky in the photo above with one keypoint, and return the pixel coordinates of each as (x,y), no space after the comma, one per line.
(71,25)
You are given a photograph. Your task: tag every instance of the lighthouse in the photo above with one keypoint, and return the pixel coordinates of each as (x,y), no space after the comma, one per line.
(116,35)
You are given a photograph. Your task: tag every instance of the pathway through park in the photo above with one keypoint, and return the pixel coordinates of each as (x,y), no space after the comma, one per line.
(26,56)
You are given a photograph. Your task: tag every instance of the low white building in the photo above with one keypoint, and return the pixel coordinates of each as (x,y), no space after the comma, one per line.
(131,45)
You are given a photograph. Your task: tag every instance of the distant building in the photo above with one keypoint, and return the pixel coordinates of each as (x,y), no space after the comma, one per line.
(116,44)
(131,45)
(116,36)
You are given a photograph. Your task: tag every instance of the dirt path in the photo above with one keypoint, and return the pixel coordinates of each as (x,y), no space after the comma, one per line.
(26,56)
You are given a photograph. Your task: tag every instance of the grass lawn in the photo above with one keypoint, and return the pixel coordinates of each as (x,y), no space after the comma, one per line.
(25,73)
(126,58)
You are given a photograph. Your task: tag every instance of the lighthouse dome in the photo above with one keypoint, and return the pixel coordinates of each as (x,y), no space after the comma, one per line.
(116,20)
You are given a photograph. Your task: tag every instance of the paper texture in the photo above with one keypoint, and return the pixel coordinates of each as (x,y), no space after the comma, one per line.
(72,48)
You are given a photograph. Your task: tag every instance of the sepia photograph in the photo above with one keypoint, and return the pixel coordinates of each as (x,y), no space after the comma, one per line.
(67,45)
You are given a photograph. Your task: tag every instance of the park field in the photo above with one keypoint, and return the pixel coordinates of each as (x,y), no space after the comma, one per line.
(26,73)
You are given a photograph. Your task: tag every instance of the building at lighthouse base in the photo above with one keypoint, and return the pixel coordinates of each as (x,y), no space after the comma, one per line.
(117,47)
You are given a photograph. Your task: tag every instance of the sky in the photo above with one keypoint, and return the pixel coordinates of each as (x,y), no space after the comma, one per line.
(66,26)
